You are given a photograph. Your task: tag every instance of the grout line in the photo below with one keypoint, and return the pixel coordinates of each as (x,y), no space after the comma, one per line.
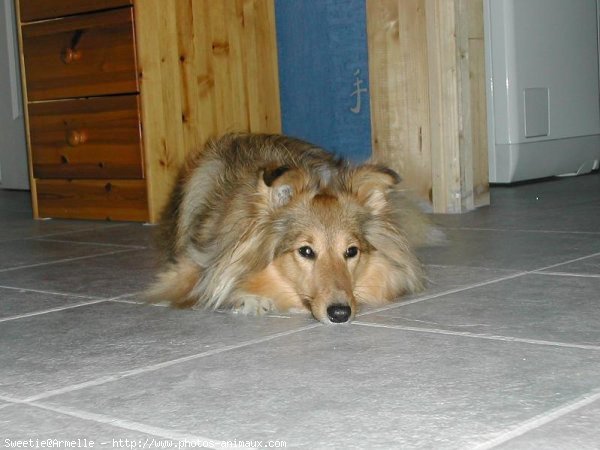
(39,291)
(51,310)
(567,274)
(490,337)
(129,425)
(445,266)
(100,244)
(540,420)
(130,302)
(9,399)
(441,294)
(473,286)
(62,308)
(520,230)
(58,261)
(62,233)
(164,364)
(122,299)
(581,258)
(81,230)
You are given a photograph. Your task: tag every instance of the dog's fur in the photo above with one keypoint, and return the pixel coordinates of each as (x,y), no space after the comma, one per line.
(244,211)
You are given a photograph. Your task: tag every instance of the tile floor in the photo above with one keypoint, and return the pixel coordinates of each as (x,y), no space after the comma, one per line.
(501,351)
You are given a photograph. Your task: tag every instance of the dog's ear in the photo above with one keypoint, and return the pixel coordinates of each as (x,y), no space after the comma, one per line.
(279,184)
(370,183)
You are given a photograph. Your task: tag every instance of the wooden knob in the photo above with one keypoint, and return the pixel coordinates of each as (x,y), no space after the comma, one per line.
(76,137)
(70,55)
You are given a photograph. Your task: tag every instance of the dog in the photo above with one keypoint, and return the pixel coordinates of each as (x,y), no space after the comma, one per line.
(261,223)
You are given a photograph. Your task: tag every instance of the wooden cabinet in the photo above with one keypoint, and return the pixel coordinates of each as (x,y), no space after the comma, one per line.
(80,56)
(96,137)
(118,91)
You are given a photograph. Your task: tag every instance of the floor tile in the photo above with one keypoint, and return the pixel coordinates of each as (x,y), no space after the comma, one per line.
(509,249)
(576,218)
(483,353)
(353,387)
(442,279)
(133,234)
(76,345)
(577,430)
(14,302)
(103,276)
(570,204)
(589,266)
(23,422)
(551,193)
(14,201)
(21,226)
(15,254)
(539,307)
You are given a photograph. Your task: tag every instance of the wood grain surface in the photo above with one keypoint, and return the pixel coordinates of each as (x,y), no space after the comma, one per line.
(80,56)
(86,138)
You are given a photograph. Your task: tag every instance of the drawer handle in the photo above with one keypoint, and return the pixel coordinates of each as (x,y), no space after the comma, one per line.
(76,137)
(69,55)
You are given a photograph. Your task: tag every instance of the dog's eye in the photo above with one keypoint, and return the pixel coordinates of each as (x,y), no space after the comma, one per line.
(307,252)
(351,252)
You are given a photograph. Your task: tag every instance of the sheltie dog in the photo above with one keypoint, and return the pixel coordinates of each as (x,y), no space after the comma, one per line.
(260,223)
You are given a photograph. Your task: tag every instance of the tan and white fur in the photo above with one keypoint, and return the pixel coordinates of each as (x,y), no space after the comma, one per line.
(260,223)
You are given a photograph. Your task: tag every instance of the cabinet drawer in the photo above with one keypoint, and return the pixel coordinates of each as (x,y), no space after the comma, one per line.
(86,138)
(93,199)
(46,9)
(80,56)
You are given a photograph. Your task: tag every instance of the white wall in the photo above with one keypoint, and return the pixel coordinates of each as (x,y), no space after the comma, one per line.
(13,153)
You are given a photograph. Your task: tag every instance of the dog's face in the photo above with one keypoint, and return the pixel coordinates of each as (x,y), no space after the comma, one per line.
(322,255)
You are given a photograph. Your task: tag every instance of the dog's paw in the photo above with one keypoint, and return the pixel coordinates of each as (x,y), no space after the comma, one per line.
(253,306)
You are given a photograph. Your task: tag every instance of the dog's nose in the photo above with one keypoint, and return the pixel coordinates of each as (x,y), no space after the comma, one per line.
(339,313)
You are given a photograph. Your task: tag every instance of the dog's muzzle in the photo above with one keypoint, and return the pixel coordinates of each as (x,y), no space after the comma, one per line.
(339,313)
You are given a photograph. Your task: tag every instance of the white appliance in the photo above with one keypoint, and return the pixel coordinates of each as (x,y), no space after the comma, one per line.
(543,88)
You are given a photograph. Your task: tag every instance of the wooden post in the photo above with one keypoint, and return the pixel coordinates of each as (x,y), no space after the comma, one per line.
(428,99)
(398,73)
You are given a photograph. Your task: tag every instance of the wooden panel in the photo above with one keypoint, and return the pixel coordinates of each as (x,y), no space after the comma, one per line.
(457,101)
(428,112)
(46,9)
(163,110)
(93,199)
(200,77)
(231,111)
(86,138)
(481,187)
(260,65)
(80,56)
(32,186)
(398,77)
(444,44)
(195,59)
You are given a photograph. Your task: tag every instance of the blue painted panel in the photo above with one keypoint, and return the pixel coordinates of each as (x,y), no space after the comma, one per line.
(322,46)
